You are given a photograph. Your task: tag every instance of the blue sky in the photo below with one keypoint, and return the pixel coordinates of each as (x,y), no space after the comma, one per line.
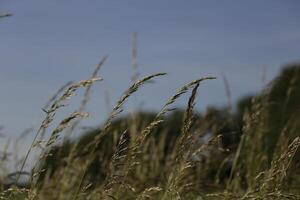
(47,43)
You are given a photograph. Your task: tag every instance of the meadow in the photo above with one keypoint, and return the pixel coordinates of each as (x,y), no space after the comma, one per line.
(250,152)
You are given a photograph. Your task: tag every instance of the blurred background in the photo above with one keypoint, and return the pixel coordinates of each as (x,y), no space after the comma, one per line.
(48,43)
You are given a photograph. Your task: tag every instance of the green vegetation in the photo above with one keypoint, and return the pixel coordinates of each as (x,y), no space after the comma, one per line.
(250,153)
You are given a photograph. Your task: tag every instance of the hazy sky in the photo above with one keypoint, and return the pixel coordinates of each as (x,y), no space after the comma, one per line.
(47,43)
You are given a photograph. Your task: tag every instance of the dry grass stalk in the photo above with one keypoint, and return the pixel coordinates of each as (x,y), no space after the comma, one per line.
(88,88)
(182,151)
(116,164)
(87,94)
(279,167)
(64,124)
(148,193)
(70,92)
(134,58)
(117,109)
(81,109)
(50,113)
(185,141)
(180,92)
(49,103)
(56,94)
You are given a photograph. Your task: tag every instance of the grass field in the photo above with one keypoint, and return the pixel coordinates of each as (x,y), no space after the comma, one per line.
(249,153)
